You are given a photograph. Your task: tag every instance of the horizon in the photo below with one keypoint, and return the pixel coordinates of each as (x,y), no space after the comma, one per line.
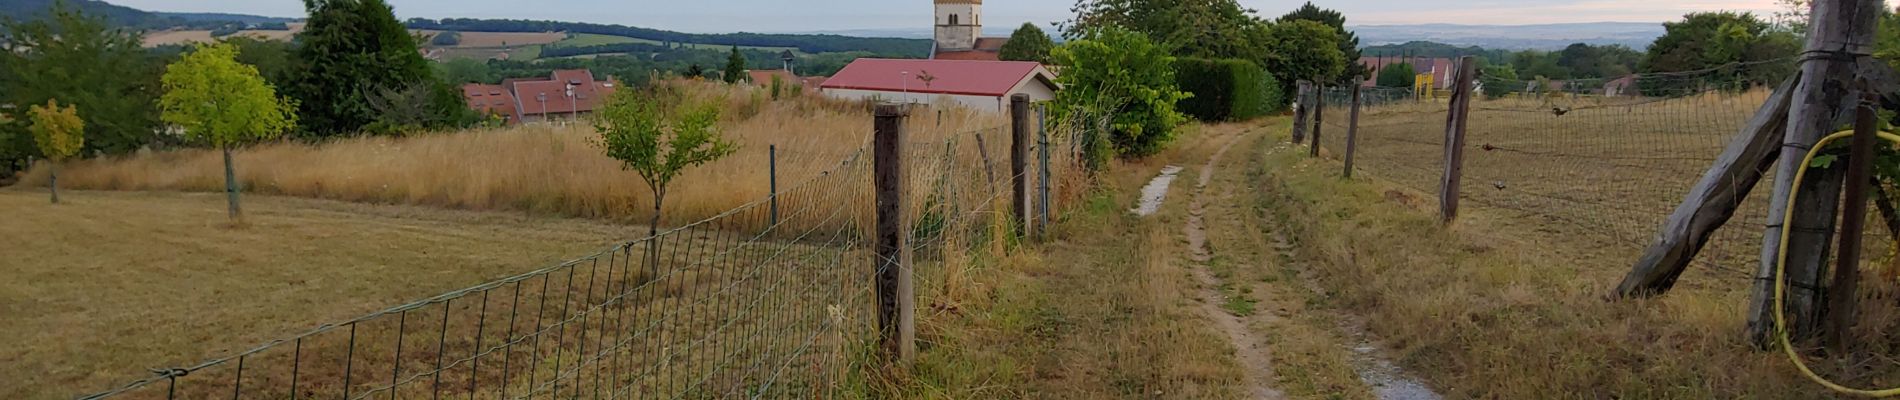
(769,16)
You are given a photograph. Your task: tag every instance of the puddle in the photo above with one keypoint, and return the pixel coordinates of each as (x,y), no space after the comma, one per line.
(1156,191)
(1388,382)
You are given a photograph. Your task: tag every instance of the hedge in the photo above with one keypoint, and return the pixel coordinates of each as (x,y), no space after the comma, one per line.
(1226,90)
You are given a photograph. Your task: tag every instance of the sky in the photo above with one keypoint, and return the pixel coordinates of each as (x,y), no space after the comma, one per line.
(712,16)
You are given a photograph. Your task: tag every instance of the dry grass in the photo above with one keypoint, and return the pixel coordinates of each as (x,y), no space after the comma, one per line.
(1507,306)
(1103,310)
(550,169)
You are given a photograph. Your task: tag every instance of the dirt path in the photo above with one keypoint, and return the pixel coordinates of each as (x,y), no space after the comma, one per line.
(1248,348)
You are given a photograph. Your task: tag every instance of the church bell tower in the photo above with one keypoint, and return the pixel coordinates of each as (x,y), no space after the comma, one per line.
(959,23)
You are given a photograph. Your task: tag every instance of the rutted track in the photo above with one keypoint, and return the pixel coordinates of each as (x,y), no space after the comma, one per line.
(1248,348)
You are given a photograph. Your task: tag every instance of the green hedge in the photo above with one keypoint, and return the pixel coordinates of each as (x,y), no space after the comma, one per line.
(1227,90)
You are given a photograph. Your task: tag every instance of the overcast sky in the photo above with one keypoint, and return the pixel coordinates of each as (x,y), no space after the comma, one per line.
(830,15)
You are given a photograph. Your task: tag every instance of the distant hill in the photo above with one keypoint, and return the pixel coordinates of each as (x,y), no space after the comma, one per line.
(27,10)
(890,47)
(1514,37)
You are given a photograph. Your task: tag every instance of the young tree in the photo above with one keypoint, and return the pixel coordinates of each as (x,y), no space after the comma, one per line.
(224,103)
(1500,80)
(60,135)
(82,59)
(1348,41)
(446,39)
(1119,82)
(659,144)
(1303,49)
(1029,43)
(735,66)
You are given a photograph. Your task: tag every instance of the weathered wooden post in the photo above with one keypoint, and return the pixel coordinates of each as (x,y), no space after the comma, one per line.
(1019,163)
(1299,111)
(1843,294)
(772,158)
(1042,181)
(1840,36)
(1352,131)
(1455,122)
(1319,117)
(1712,201)
(896,304)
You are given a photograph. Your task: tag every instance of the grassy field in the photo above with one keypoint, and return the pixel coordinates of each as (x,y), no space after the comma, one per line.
(171,37)
(109,283)
(591,39)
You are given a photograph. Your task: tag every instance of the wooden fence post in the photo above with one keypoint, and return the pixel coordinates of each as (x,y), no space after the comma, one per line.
(1046,205)
(1352,131)
(1299,111)
(896,304)
(1843,294)
(1455,122)
(1712,201)
(1841,35)
(772,157)
(1019,163)
(1319,117)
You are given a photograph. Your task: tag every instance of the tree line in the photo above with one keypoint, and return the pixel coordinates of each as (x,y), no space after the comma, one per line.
(886,47)
(354,70)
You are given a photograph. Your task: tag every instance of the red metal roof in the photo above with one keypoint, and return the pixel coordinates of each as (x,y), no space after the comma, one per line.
(971,55)
(763,78)
(977,78)
(991,43)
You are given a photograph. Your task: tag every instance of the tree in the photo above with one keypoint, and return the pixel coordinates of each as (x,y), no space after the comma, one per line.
(1029,43)
(446,39)
(1304,50)
(1121,87)
(659,144)
(464,70)
(1738,43)
(80,59)
(1212,29)
(695,72)
(1348,41)
(221,102)
(735,66)
(276,60)
(350,49)
(1499,80)
(1400,75)
(60,135)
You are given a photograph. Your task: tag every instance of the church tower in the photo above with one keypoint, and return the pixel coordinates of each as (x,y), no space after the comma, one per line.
(959,23)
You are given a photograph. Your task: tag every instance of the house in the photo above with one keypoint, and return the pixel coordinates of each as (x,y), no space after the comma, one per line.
(565,95)
(959,33)
(981,85)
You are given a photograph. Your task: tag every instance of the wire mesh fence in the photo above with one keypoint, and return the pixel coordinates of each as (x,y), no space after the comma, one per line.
(773,299)
(1603,161)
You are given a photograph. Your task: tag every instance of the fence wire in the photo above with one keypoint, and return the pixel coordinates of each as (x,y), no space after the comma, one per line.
(774,299)
(1602,161)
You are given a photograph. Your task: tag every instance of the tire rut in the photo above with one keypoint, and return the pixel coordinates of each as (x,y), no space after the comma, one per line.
(1253,356)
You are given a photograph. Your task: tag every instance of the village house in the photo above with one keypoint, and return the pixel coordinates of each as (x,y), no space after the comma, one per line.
(980,85)
(565,95)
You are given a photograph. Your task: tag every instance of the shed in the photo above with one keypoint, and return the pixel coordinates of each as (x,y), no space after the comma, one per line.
(981,85)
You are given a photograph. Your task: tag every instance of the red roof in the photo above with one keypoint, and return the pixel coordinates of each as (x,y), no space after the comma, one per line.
(490,99)
(976,78)
(587,95)
(972,55)
(764,77)
(991,43)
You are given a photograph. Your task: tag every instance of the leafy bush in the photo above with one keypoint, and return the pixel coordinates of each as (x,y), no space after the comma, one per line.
(1120,86)
(1400,75)
(1226,90)
(446,39)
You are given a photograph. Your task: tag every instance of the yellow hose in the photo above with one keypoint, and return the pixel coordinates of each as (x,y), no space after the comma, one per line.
(1781,264)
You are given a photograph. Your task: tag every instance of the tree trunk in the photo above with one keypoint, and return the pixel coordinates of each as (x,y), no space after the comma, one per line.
(231,187)
(653,235)
(52,180)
